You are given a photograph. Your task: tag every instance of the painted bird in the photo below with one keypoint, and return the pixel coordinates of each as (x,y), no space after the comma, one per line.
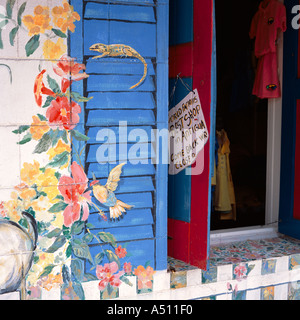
(105,194)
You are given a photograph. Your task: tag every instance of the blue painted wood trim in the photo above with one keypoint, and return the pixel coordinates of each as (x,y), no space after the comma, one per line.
(212,135)
(288,122)
(162,123)
(75,47)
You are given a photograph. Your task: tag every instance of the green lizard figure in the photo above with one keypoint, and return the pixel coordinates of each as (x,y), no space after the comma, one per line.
(120,50)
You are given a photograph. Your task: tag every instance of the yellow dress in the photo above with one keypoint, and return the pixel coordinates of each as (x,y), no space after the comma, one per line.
(224,198)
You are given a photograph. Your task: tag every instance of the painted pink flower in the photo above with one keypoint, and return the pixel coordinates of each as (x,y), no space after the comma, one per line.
(63,113)
(240,271)
(127,267)
(120,252)
(73,190)
(107,274)
(69,70)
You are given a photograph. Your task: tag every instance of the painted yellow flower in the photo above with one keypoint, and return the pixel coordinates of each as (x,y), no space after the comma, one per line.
(13,208)
(39,22)
(48,183)
(64,17)
(52,281)
(41,208)
(54,51)
(60,148)
(38,128)
(30,172)
(59,221)
(25,192)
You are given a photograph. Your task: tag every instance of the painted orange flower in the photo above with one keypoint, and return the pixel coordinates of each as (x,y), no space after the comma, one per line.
(39,22)
(63,113)
(38,128)
(39,89)
(145,277)
(64,17)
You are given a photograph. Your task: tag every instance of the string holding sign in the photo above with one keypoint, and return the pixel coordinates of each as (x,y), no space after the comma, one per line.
(188,131)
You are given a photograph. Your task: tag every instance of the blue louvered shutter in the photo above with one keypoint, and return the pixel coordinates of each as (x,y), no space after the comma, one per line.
(142,25)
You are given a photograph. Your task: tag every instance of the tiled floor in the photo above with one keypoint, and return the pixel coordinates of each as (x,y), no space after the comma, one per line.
(244,251)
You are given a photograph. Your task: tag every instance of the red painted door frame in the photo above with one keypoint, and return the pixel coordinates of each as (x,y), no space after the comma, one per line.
(194,59)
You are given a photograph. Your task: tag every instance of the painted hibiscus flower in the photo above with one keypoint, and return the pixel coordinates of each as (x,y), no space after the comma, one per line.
(73,190)
(69,70)
(64,113)
(106,275)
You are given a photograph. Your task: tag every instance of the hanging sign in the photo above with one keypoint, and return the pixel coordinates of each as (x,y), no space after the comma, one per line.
(188,132)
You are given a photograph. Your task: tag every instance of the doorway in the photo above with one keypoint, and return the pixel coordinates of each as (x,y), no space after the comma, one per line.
(241,118)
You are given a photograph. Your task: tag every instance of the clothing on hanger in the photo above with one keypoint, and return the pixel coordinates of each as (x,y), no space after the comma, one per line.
(224,197)
(268,20)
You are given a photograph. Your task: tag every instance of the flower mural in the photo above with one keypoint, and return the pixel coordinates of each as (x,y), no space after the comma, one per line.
(57,193)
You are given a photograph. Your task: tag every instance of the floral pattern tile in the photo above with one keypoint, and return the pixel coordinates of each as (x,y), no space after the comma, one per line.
(243,251)
(294,291)
(267,293)
(268,266)
(241,271)
(178,280)
(210,275)
(294,262)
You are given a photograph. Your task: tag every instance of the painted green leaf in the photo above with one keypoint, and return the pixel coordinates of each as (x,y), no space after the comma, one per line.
(77,227)
(3,16)
(20,12)
(59,33)
(66,274)
(47,270)
(32,44)
(3,23)
(79,136)
(111,256)
(89,277)
(107,237)
(69,251)
(77,268)
(41,117)
(48,102)
(1,42)
(58,207)
(9,7)
(124,279)
(53,84)
(12,35)
(99,258)
(79,98)
(78,290)
(58,243)
(54,233)
(43,144)
(90,226)
(87,238)
(21,129)
(59,160)
(83,251)
(25,139)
